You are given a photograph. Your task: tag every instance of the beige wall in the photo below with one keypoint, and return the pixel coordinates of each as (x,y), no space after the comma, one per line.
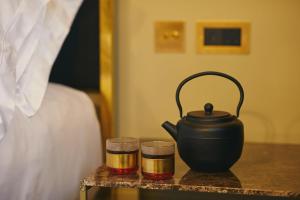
(270,74)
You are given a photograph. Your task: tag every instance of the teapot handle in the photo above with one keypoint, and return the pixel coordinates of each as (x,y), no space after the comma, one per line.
(237,83)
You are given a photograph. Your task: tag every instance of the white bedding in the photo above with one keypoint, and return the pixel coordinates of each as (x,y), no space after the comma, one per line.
(45,156)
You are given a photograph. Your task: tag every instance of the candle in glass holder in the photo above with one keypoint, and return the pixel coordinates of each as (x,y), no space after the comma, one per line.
(122,155)
(158,160)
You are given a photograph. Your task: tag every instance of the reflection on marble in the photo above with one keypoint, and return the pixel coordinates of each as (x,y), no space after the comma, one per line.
(220,179)
(264,169)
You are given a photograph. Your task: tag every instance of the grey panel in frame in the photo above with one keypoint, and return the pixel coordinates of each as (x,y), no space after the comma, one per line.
(226,37)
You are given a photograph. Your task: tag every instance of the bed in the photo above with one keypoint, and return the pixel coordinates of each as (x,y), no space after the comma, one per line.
(45,156)
(52,136)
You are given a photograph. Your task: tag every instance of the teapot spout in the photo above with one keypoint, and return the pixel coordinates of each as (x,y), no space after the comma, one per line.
(171,128)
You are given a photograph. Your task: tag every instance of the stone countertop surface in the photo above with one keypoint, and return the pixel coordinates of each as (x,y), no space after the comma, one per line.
(263,170)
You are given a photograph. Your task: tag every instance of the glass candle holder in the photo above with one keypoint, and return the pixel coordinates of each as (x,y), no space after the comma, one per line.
(122,155)
(158,160)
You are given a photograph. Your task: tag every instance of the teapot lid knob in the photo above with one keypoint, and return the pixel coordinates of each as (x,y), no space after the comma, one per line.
(208,108)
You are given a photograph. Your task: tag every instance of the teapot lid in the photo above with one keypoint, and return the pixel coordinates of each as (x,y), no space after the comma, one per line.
(208,114)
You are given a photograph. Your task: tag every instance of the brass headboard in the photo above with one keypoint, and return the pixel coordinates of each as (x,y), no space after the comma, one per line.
(104,98)
(107,102)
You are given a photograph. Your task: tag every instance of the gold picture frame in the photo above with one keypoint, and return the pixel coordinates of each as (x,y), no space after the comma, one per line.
(244,48)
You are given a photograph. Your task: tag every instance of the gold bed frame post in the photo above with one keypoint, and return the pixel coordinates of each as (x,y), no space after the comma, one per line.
(107,102)
(106,77)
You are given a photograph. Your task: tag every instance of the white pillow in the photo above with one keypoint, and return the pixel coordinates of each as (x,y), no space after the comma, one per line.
(31,35)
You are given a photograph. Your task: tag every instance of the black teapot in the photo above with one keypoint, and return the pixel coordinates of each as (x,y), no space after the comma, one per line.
(208,140)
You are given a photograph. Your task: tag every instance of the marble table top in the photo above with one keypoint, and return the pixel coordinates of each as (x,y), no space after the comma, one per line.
(263,170)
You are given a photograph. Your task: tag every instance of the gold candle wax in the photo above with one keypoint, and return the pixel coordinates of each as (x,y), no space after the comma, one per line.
(122,155)
(158,160)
